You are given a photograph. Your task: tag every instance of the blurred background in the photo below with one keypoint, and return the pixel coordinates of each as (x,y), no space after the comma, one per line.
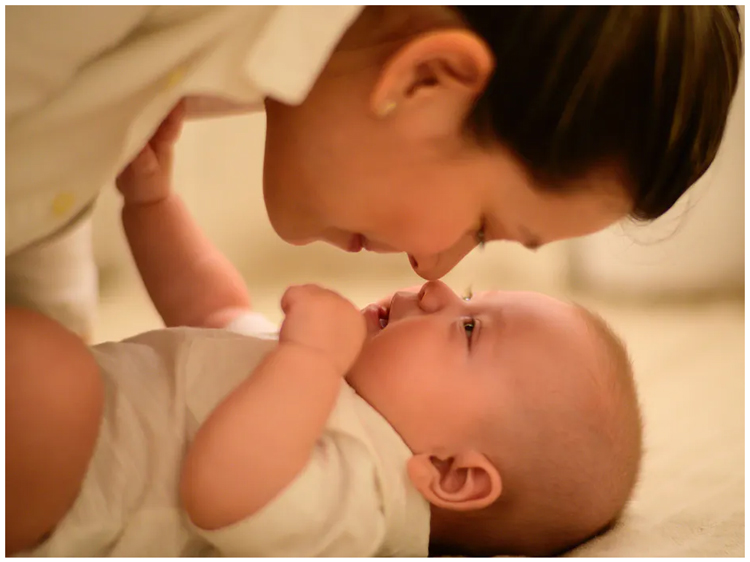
(673,290)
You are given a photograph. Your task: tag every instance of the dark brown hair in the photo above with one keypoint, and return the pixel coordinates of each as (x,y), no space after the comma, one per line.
(647,88)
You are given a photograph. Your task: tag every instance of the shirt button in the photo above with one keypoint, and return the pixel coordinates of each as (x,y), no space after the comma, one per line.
(175,77)
(63,203)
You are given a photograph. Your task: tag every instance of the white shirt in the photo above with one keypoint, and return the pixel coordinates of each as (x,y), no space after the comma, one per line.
(87,86)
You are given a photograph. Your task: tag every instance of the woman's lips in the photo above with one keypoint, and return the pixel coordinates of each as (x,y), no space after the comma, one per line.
(357,243)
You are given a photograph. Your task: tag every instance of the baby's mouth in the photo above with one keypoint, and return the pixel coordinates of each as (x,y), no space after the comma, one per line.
(377,317)
(384,314)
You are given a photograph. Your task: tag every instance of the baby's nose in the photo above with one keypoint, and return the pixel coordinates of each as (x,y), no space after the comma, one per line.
(434,296)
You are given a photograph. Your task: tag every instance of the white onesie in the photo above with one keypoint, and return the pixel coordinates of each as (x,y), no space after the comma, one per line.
(353,498)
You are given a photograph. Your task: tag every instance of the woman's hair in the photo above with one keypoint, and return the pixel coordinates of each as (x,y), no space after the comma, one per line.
(647,88)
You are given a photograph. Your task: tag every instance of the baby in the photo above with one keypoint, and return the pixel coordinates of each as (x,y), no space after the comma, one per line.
(507,424)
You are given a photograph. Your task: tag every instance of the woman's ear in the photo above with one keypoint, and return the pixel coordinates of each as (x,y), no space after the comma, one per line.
(436,75)
(464,482)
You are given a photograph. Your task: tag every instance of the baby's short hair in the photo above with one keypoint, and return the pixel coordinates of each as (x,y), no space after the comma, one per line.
(569,470)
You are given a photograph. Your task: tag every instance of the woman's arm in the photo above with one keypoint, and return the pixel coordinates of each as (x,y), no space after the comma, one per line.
(189,281)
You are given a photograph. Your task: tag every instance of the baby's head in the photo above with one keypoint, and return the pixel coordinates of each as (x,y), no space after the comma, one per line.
(520,410)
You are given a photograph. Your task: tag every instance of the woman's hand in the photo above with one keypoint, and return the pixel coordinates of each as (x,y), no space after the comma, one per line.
(148,178)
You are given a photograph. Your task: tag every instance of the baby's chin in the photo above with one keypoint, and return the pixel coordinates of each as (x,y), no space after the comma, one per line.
(355,379)
(363,383)
(364,380)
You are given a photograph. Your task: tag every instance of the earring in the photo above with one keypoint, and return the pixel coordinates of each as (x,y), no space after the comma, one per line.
(386,109)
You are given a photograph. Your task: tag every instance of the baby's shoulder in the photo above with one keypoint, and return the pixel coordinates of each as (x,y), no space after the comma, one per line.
(184,348)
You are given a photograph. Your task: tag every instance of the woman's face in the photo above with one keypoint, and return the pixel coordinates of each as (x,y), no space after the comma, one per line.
(412,181)
(431,203)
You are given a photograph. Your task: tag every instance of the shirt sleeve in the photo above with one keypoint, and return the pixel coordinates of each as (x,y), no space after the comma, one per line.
(251,323)
(46,45)
(295,45)
(331,509)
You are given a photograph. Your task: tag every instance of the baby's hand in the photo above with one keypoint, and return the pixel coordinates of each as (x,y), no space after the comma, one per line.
(148,178)
(324,322)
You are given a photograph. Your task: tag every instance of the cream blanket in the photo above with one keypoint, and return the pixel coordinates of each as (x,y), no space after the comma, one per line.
(691,497)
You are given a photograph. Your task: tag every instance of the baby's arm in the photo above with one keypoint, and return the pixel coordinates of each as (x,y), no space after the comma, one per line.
(263,434)
(189,281)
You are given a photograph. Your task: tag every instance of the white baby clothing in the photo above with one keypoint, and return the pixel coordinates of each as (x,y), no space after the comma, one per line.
(353,498)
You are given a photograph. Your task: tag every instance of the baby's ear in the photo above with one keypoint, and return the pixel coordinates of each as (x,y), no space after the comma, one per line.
(464,482)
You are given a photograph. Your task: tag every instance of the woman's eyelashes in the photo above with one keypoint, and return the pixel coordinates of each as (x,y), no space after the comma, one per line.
(480,236)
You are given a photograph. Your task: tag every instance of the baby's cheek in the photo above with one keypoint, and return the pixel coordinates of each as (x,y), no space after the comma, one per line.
(402,359)
(379,368)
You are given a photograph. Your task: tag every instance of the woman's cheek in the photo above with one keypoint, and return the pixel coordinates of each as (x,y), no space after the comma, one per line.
(432,229)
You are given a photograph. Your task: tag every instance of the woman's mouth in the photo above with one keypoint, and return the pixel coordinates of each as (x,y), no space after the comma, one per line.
(359,242)
(356,243)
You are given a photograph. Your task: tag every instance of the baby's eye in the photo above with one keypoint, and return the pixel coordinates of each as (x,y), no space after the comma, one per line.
(469,325)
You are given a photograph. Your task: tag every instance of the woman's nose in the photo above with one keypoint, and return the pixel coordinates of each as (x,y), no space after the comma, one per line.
(435,266)
(435,296)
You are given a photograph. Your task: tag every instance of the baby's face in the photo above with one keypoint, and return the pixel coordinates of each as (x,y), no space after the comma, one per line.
(441,366)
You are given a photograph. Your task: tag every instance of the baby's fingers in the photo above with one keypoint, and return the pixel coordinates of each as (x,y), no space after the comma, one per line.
(169,130)
(145,165)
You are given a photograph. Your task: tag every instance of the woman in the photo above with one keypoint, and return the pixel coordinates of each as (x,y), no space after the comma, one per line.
(423,130)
